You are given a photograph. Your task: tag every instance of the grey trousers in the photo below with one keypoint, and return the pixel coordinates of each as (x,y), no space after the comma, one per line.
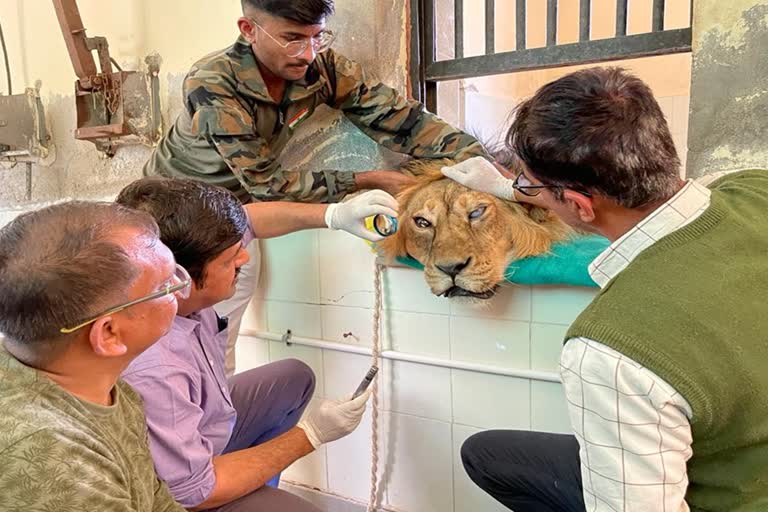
(269,401)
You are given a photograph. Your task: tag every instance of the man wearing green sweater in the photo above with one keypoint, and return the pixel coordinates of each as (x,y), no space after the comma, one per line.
(666,372)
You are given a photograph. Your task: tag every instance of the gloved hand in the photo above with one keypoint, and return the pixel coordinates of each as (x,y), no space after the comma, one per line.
(350,215)
(479,174)
(333,420)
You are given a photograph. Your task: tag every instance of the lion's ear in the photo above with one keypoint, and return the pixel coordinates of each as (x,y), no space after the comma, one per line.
(426,167)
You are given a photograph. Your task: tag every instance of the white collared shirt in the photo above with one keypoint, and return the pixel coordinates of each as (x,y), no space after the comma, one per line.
(633,427)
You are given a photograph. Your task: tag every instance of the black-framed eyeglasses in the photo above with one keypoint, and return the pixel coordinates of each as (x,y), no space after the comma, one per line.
(525,187)
(320,43)
(180,283)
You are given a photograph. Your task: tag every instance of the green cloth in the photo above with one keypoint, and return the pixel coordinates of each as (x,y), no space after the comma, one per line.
(692,309)
(567,263)
(62,454)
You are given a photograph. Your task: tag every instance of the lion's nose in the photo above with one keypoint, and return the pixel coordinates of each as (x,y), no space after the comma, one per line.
(453,269)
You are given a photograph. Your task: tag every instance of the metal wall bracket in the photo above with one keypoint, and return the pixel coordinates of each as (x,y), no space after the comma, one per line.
(23,132)
(113,107)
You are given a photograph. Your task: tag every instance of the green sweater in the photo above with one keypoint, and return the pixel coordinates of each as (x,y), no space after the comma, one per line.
(692,308)
(62,454)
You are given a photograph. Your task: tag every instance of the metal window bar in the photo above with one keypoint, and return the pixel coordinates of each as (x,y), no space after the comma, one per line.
(585,18)
(621,17)
(658,16)
(426,72)
(490,27)
(520,25)
(551,22)
(458,34)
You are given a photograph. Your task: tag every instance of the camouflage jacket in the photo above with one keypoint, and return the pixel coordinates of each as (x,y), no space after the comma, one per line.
(231,131)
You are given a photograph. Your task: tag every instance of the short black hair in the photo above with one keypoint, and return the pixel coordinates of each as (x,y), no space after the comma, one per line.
(598,129)
(198,221)
(305,12)
(59,265)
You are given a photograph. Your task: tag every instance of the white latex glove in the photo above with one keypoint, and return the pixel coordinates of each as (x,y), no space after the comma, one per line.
(332,420)
(350,215)
(479,174)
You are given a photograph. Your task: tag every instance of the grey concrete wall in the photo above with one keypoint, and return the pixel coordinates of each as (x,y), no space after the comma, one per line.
(729,89)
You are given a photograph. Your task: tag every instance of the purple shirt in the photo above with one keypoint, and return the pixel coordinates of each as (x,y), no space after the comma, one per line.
(189,411)
(186,399)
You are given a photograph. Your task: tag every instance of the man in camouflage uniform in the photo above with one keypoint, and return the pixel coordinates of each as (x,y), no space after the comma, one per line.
(243,104)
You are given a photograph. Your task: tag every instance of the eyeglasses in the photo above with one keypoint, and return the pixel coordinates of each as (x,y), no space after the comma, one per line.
(180,283)
(525,187)
(320,43)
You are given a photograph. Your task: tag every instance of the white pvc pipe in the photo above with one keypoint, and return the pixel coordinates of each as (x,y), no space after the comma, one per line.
(410,358)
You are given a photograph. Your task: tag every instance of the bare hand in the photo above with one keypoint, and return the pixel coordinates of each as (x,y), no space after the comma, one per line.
(388,181)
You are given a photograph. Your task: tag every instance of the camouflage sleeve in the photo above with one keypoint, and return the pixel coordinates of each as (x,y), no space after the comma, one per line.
(219,116)
(393,121)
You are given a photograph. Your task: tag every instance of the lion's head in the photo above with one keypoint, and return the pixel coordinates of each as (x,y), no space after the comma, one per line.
(465,239)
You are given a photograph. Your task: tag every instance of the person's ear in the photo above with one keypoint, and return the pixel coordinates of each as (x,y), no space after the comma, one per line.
(580,204)
(105,338)
(247,29)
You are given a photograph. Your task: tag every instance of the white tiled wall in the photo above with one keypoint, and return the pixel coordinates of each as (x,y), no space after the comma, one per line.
(320,285)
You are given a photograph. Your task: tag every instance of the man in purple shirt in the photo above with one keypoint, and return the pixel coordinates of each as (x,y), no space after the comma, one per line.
(218,441)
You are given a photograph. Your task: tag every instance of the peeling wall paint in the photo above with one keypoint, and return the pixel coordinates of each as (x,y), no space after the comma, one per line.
(729,89)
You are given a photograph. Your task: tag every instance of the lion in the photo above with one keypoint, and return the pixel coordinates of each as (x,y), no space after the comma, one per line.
(465,239)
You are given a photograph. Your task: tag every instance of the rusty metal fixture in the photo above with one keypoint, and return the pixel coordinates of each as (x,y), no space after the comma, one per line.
(113,107)
(23,131)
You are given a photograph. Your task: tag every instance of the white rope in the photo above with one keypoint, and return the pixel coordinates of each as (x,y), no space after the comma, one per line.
(374,498)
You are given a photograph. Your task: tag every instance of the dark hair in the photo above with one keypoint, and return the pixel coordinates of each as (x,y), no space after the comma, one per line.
(197,221)
(598,129)
(59,265)
(305,12)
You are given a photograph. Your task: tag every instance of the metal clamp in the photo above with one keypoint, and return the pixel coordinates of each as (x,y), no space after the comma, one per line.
(287,337)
